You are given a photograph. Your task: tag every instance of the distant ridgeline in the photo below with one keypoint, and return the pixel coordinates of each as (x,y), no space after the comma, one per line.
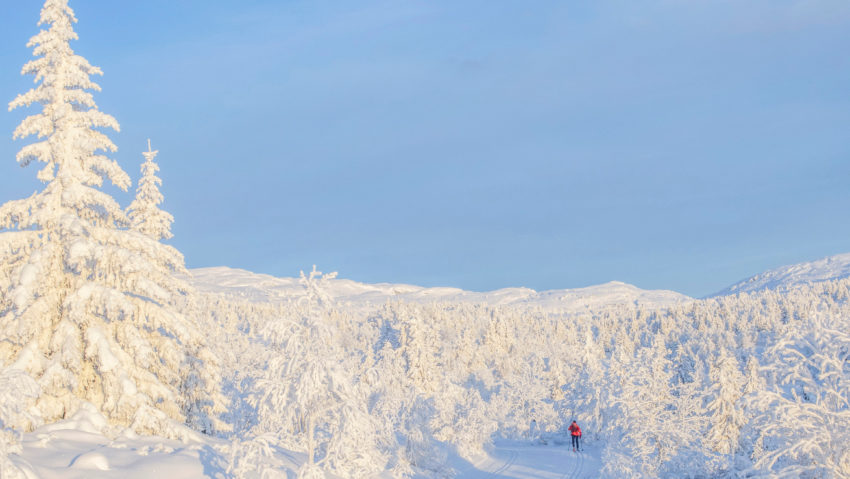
(826,269)
(96,313)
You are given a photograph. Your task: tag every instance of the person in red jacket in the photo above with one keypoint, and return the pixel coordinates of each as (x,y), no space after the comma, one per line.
(575,431)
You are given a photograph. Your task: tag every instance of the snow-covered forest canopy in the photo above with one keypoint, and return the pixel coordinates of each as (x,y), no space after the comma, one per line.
(103,329)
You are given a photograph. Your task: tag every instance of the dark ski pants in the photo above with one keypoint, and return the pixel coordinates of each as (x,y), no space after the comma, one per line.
(576,441)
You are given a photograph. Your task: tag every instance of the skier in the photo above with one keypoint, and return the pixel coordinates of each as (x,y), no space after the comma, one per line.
(575,431)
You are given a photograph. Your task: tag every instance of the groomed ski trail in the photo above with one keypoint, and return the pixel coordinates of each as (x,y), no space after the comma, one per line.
(511,460)
(507,465)
(578,466)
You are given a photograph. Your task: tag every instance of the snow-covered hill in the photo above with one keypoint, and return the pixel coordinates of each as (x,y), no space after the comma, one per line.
(262,288)
(825,269)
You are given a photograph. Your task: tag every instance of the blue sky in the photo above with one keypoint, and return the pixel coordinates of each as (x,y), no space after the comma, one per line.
(670,144)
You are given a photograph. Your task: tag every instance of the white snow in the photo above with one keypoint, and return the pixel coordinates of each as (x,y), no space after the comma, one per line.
(76,454)
(266,288)
(87,446)
(824,269)
(251,376)
(73,454)
(524,461)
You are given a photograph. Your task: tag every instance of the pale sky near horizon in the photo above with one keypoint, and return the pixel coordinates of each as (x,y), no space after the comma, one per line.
(669,144)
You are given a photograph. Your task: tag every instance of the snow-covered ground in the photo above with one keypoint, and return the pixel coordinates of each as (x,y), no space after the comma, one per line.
(523,461)
(76,454)
(262,288)
(77,449)
(74,450)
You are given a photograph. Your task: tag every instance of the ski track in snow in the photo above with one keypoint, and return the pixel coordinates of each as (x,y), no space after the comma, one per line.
(74,454)
(579,466)
(514,454)
(514,461)
(574,472)
(573,464)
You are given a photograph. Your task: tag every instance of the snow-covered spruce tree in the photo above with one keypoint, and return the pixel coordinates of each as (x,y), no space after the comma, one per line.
(402,413)
(88,313)
(804,417)
(590,394)
(307,398)
(753,382)
(203,401)
(651,422)
(524,398)
(145,215)
(727,416)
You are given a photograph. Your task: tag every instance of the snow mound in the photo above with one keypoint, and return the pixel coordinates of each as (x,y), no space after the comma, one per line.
(91,460)
(70,454)
(87,419)
(826,269)
(265,288)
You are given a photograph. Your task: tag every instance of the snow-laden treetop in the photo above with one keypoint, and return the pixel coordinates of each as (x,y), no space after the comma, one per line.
(145,214)
(67,128)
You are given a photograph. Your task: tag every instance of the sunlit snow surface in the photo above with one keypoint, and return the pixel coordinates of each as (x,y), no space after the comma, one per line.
(523,461)
(826,269)
(76,449)
(69,451)
(259,287)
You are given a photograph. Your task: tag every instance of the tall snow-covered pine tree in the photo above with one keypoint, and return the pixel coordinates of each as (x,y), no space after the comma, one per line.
(87,303)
